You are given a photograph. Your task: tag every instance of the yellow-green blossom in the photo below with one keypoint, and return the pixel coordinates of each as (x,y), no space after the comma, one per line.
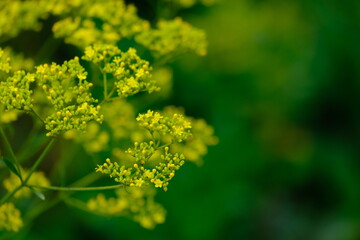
(172,38)
(10,218)
(16,16)
(176,125)
(196,146)
(4,62)
(132,202)
(117,20)
(142,173)
(15,91)
(100,53)
(68,91)
(8,116)
(131,73)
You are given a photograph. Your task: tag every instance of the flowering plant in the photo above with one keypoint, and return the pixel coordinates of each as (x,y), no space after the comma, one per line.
(94,101)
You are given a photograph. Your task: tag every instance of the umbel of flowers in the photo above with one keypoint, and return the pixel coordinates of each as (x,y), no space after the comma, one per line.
(90,100)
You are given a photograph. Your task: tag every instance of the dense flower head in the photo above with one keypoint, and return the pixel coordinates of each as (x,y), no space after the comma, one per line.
(172,38)
(76,31)
(147,150)
(69,93)
(100,53)
(202,136)
(119,125)
(143,172)
(117,20)
(132,202)
(16,16)
(131,73)
(10,218)
(14,88)
(176,125)
(4,62)
(15,91)
(64,84)
(72,118)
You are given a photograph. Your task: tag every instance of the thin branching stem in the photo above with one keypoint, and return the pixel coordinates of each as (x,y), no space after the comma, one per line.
(77,189)
(39,160)
(37,115)
(10,151)
(32,170)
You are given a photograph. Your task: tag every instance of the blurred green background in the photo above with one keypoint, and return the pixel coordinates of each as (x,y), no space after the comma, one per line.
(281,86)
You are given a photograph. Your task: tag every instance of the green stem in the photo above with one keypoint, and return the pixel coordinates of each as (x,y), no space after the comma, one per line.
(105,84)
(39,160)
(111,92)
(10,151)
(108,96)
(73,189)
(34,167)
(10,194)
(86,180)
(110,100)
(47,50)
(165,145)
(37,115)
(32,145)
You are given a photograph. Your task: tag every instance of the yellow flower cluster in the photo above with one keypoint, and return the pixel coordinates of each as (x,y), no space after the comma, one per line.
(12,182)
(10,218)
(8,116)
(68,91)
(151,163)
(15,91)
(16,16)
(141,173)
(11,88)
(87,22)
(117,20)
(176,125)
(60,96)
(173,38)
(4,62)
(135,203)
(195,147)
(119,117)
(100,54)
(131,73)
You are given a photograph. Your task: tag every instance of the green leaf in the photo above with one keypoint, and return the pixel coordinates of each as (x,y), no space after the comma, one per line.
(38,194)
(11,166)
